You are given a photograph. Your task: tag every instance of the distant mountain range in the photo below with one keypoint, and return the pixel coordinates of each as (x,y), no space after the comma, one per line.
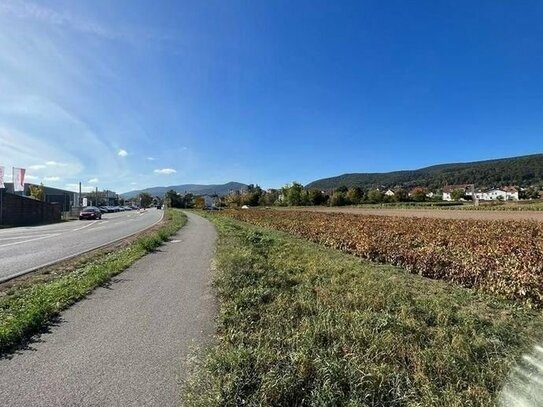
(221,190)
(521,171)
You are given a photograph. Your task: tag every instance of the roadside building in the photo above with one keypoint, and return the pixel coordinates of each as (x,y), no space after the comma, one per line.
(448,189)
(66,199)
(111,198)
(512,193)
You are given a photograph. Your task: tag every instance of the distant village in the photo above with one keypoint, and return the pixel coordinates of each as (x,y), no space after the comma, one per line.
(296,195)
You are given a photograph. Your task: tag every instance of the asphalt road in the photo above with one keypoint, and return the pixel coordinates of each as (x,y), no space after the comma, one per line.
(125,345)
(25,248)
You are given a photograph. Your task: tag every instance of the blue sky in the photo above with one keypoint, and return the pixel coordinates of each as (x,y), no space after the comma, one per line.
(130,94)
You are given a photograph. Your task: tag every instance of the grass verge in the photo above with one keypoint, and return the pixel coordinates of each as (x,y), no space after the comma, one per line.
(303,325)
(27,310)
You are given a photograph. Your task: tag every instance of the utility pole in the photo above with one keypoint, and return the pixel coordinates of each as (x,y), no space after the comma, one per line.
(80,199)
(96,196)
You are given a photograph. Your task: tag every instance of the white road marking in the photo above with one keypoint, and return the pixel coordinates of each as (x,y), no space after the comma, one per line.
(78,253)
(30,240)
(86,226)
(23,237)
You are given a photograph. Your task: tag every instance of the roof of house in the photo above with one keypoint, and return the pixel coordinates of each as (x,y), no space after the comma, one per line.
(510,189)
(450,188)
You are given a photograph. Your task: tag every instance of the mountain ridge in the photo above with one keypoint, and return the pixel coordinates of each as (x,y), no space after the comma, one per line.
(195,189)
(521,170)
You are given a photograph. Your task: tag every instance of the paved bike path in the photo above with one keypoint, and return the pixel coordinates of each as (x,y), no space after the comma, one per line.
(125,344)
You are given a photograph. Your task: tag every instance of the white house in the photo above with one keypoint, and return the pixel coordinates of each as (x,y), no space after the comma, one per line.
(389,192)
(448,189)
(512,193)
(501,194)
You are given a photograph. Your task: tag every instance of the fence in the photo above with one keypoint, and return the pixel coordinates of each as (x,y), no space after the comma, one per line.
(18,210)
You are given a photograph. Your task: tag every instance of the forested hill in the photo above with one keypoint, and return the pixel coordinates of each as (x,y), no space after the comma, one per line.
(522,171)
(221,190)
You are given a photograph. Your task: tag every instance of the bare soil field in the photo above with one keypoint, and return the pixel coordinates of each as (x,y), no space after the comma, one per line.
(429,213)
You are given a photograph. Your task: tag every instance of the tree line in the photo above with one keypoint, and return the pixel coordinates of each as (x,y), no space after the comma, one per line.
(296,195)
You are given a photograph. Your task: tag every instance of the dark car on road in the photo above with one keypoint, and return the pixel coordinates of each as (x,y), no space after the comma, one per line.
(90,212)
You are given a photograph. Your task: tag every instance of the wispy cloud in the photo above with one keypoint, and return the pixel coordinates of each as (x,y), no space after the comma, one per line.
(37,167)
(51,179)
(93,181)
(46,15)
(47,164)
(150,158)
(165,171)
(27,10)
(122,153)
(55,164)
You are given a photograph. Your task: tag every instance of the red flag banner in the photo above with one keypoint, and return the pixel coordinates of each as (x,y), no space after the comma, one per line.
(19,179)
(1,177)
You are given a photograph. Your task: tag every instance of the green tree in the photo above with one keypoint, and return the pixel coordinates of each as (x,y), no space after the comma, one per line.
(316,197)
(529,193)
(233,199)
(400,195)
(354,195)
(37,192)
(173,199)
(294,194)
(375,196)
(145,199)
(458,194)
(252,196)
(269,197)
(419,194)
(188,200)
(338,198)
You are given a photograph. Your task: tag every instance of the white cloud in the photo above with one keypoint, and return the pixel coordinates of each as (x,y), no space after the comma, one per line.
(150,158)
(51,178)
(37,167)
(31,177)
(133,183)
(55,164)
(47,164)
(93,180)
(122,153)
(165,171)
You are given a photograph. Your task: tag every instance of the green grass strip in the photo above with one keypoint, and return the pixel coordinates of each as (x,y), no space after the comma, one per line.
(29,310)
(302,325)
